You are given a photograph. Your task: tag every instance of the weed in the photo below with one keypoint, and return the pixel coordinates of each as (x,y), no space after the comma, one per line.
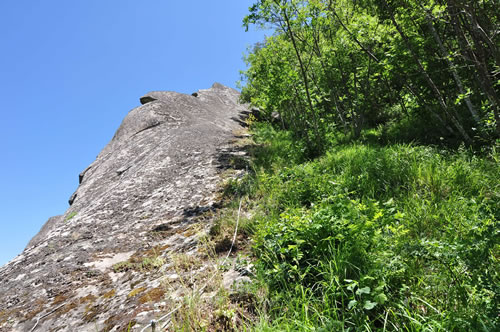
(375,237)
(152,263)
(136,291)
(123,266)
(184,262)
(142,261)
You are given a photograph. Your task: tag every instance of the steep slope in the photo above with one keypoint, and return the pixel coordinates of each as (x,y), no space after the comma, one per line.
(100,266)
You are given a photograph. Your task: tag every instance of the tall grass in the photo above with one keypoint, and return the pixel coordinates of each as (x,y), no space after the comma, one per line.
(371,237)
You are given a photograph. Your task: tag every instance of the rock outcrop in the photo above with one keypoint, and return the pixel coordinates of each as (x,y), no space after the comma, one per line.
(101,265)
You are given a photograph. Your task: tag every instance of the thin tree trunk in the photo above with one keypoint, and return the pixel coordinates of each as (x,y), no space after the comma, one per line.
(480,32)
(481,72)
(302,69)
(434,114)
(429,80)
(456,77)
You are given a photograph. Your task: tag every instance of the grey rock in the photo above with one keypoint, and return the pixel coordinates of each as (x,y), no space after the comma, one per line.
(46,228)
(276,117)
(257,113)
(82,175)
(233,279)
(72,198)
(136,205)
(146,99)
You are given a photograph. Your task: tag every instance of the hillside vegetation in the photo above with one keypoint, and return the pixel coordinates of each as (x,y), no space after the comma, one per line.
(375,193)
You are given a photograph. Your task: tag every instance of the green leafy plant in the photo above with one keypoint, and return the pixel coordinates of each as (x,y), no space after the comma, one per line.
(71,215)
(389,237)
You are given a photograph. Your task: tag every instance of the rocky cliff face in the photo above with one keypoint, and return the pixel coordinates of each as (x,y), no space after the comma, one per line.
(102,265)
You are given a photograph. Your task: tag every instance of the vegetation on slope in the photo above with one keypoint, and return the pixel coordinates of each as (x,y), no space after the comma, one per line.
(376,196)
(366,237)
(422,70)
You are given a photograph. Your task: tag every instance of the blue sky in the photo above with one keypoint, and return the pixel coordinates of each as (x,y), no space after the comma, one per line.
(71,70)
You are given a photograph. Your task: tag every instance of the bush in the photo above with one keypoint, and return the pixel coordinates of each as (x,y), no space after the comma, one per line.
(397,236)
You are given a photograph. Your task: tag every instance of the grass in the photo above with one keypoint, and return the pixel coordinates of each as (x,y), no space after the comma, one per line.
(71,215)
(203,303)
(373,237)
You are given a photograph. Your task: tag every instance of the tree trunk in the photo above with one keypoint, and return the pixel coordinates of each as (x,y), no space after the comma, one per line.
(456,77)
(302,70)
(482,75)
(429,80)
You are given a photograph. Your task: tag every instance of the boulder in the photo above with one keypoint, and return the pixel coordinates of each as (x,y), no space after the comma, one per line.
(101,265)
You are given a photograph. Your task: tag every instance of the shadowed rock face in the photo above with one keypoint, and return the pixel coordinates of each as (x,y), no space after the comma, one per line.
(135,204)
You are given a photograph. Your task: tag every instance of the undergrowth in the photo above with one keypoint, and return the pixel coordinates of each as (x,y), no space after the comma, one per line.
(374,237)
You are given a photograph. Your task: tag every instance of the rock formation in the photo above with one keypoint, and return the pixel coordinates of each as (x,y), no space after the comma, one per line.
(100,266)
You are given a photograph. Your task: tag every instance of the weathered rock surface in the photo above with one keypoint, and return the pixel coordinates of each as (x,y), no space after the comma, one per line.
(103,264)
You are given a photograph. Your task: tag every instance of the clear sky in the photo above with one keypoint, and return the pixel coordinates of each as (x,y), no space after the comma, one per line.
(71,70)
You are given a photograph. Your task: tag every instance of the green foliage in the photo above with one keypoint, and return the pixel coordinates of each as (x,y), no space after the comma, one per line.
(398,237)
(379,231)
(71,215)
(424,71)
